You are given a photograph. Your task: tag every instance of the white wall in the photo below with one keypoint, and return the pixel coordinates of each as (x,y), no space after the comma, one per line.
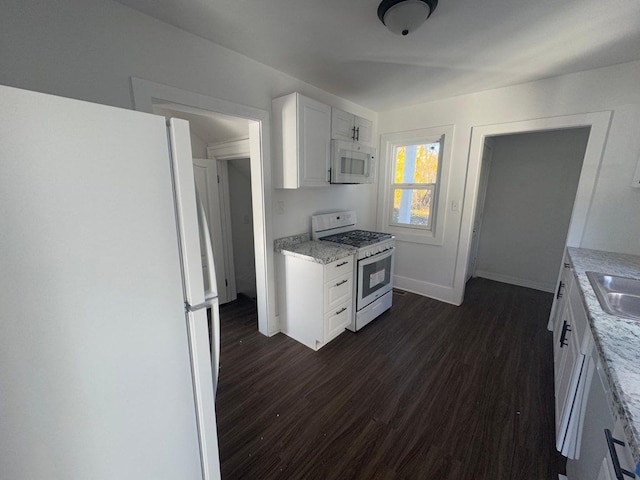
(242,225)
(198,146)
(89,49)
(532,186)
(614,217)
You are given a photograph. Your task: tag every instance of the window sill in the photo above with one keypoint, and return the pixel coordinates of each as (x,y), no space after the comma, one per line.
(410,235)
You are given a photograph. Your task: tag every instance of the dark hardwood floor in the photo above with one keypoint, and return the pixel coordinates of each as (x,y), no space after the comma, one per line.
(427,391)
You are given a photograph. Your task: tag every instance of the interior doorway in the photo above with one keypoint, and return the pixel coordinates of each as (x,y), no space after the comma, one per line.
(527,189)
(597,122)
(222,171)
(149,95)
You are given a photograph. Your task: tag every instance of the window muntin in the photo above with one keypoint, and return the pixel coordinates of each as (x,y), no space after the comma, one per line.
(416,168)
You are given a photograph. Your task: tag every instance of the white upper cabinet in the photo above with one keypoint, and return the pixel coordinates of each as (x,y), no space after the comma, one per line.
(302,141)
(351,128)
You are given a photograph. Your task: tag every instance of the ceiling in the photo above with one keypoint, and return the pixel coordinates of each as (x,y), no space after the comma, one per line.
(466,46)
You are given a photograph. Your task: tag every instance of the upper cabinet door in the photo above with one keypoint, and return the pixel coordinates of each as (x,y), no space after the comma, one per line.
(302,142)
(364,130)
(342,125)
(351,128)
(314,142)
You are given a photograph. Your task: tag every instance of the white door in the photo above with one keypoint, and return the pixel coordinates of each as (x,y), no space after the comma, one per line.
(477,223)
(208,190)
(96,377)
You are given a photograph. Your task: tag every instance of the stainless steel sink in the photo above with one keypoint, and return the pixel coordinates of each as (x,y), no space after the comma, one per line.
(617,295)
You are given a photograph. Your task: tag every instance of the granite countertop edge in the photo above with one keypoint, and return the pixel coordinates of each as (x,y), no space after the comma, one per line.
(301,246)
(617,339)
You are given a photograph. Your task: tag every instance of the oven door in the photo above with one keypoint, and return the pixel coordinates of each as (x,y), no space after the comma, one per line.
(375,277)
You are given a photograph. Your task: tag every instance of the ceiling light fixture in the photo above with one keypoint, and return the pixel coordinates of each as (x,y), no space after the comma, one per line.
(404,16)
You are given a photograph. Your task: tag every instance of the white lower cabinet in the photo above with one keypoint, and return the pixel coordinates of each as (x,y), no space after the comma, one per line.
(583,399)
(603,448)
(318,299)
(571,370)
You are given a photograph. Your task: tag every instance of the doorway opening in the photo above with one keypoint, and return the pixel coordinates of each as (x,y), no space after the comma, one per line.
(527,189)
(222,171)
(235,132)
(598,125)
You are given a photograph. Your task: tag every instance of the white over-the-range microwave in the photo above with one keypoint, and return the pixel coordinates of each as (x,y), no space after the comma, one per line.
(351,163)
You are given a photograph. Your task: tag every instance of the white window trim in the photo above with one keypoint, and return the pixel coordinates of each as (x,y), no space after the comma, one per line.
(388,142)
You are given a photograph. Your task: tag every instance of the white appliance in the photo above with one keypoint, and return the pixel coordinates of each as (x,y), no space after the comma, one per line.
(351,162)
(105,362)
(374,266)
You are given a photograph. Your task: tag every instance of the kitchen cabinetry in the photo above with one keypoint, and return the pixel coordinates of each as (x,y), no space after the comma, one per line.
(302,141)
(351,128)
(318,299)
(602,436)
(561,296)
(572,343)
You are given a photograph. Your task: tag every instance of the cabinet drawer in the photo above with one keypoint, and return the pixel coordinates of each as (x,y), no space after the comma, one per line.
(338,268)
(338,291)
(335,321)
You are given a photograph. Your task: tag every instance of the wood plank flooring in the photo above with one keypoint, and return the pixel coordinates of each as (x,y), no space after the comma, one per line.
(427,391)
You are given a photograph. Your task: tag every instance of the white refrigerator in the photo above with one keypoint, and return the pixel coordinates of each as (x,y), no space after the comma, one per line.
(107,366)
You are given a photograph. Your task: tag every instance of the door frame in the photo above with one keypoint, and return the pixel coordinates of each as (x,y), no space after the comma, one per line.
(226,257)
(485,172)
(221,153)
(599,123)
(147,93)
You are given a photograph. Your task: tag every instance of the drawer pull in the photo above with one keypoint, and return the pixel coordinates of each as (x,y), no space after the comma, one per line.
(560,287)
(341,283)
(341,310)
(563,337)
(341,264)
(567,265)
(611,441)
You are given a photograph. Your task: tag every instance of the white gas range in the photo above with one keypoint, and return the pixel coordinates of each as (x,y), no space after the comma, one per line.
(374,268)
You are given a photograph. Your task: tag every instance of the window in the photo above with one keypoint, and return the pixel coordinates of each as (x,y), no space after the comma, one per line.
(415,172)
(414,175)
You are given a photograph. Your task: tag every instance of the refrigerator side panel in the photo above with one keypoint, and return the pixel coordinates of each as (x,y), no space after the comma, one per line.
(95,373)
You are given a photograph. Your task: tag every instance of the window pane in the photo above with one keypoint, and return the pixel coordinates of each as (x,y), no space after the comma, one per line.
(417,163)
(412,206)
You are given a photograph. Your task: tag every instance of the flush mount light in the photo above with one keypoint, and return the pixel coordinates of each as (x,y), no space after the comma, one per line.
(404,16)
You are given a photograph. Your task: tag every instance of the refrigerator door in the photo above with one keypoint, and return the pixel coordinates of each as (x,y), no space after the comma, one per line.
(195,239)
(187,212)
(204,385)
(95,368)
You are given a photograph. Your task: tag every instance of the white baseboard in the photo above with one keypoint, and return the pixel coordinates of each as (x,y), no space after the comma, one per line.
(562,477)
(438,292)
(521,282)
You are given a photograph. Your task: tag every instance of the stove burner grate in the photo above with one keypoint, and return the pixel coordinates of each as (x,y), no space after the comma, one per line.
(358,238)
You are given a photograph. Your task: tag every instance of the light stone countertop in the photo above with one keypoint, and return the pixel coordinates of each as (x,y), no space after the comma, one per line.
(313,250)
(617,339)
